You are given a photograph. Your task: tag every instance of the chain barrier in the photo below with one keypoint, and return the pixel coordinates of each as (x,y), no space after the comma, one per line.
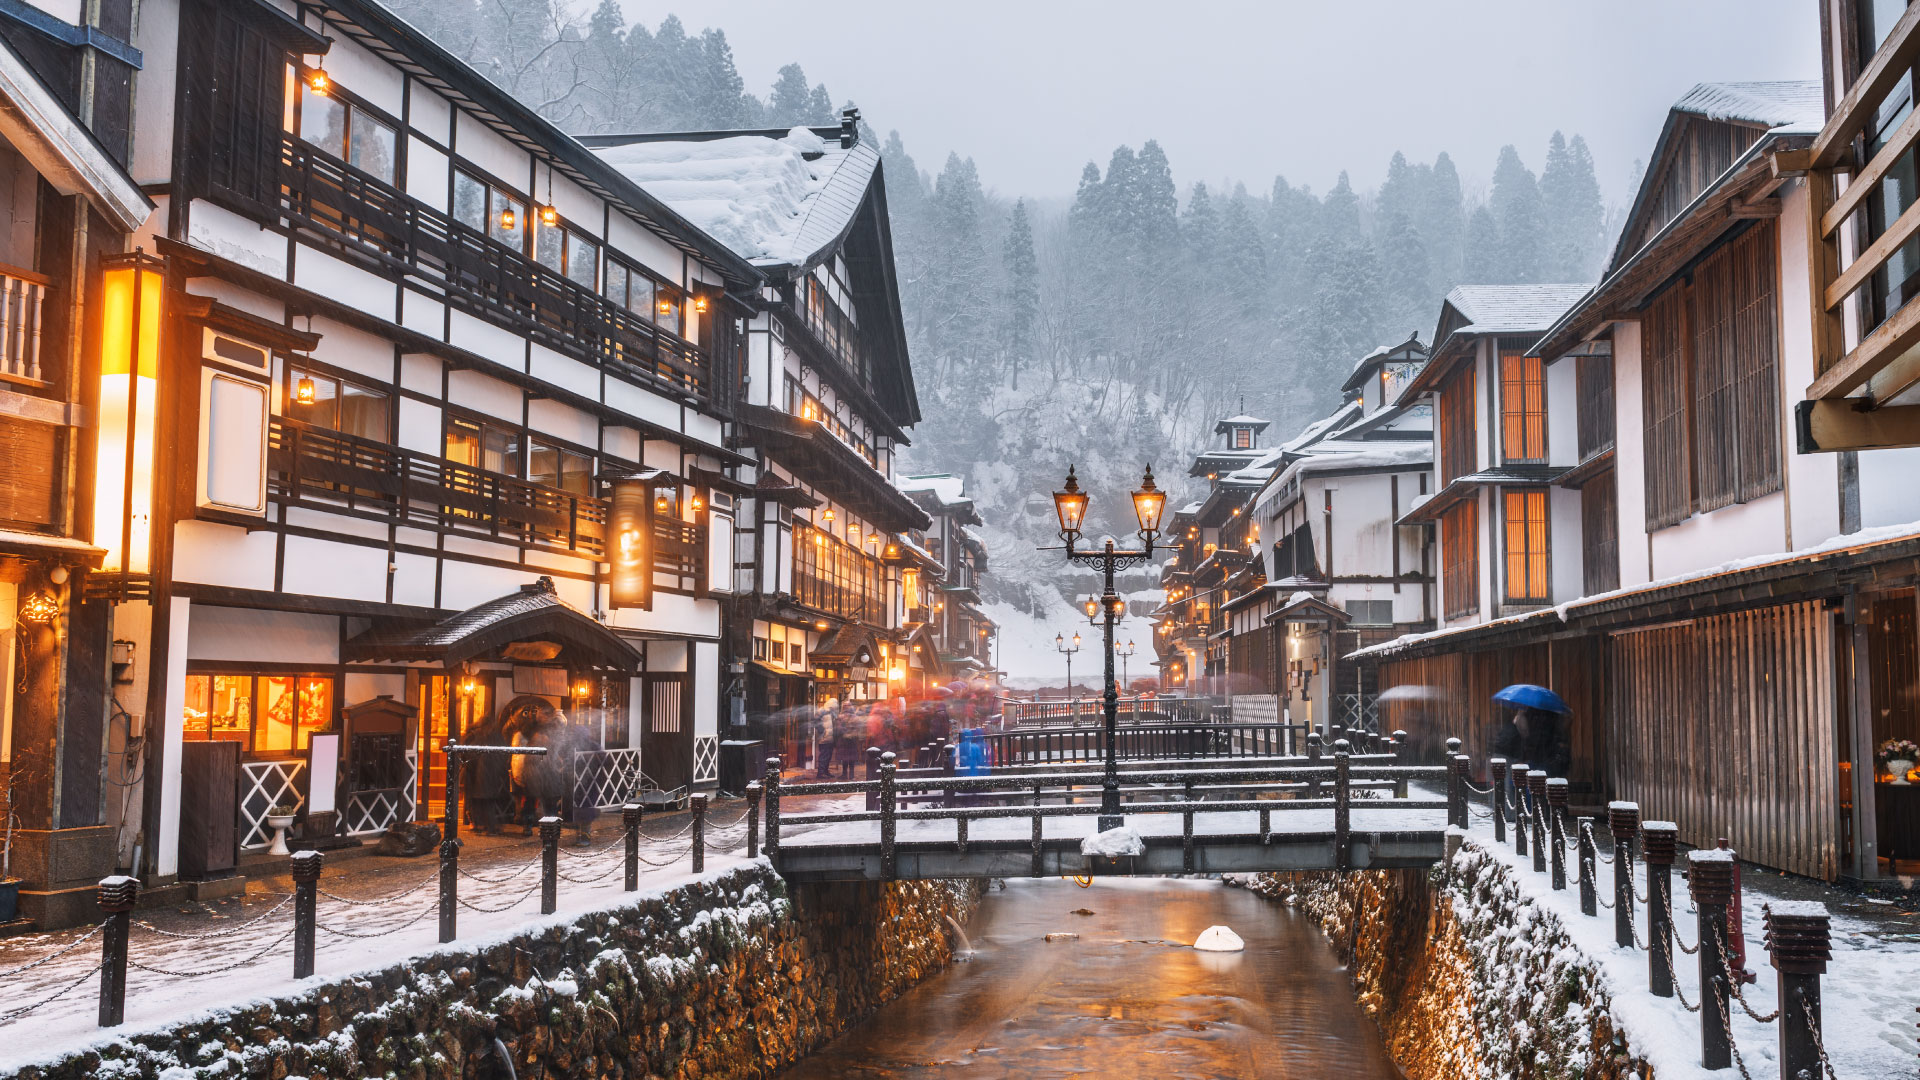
(684,830)
(1813,1026)
(601,876)
(672,860)
(56,954)
(1735,984)
(503,878)
(743,816)
(1682,942)
(521,899)
(1726,1022)
(601,851)
(1477,789)
(237,964)
(13,1014)
(1674,977)
(423,913)
(228,932)
(383,900)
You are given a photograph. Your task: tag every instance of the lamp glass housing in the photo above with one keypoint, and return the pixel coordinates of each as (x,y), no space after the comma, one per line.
(130,299)
(1070,505)
(1149,502)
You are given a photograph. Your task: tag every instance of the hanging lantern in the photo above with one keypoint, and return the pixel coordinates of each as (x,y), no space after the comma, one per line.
(131,293)
(666,305)
(318,82)
(700,304)
(549,216)
(508,220)
(303,390)
(39,609)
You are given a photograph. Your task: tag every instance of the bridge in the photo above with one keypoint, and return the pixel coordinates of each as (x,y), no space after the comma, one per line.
(1337,811)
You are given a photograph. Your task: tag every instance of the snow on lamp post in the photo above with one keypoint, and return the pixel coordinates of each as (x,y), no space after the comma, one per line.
(1070,506)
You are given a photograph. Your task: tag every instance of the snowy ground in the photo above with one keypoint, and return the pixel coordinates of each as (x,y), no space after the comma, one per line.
(1081,826)
(1869,993)
(1026,651)
(233,953)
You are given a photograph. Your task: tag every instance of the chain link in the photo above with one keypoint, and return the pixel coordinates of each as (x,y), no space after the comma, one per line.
(672,860)
(228,932)
(1820,1046)
(521,899)
(504,878)
(1734,985)
(1680,941)
(424,912)
(254,959)
(684,830)
(1726,1024)
(56,954)
(383,900)
(1674,977)
(602,876)
(13,1014)
(600,851)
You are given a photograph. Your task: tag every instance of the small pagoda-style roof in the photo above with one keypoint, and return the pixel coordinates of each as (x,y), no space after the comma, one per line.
(844,645)
(534,613)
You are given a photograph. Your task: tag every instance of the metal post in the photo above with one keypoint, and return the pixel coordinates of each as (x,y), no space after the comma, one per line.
(1038,835)
(1110,782)
(699,803)
(1798,945)
(1456,786)
(949,766)
(549,864)
(306,883)
(1658,842)
(1589,892)
(1343,805)
(873,773)
(117,896)
(1537,817)
(1518,773)
(630,817)
(1497,769)
(1402,758)
(773,811)
(889,807)
(1623,818)
(1556,814)
(450,848)
(1313,762)
(1710,878)
(753,819)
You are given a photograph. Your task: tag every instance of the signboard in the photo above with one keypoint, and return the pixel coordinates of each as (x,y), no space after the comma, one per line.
(630,544)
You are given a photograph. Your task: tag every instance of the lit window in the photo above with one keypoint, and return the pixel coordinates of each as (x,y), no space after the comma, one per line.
(348,132)
(1526,546)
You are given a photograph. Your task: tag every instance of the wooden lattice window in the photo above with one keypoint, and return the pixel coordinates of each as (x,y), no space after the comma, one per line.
(1460,558)
(1523,410)
(1664,393)
(1735,372)
(1457,452)
(1599,535)
(1524,527)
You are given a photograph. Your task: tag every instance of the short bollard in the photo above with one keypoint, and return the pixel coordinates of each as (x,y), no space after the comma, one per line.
(1342,807)
(449,889)
(1710,878)
(1623,819)
(773,811)
(1557,834)
(1400,757)
(1456,785)
(116,897)
(306,886)
(873,773)
(889,806)
(699,805)
(1519,775)
(1659,840)
(1798,945)
(1497,769)
(754,790)
(1537,816)
(549,864)
(630,815)
(1313,762)
(1589,893)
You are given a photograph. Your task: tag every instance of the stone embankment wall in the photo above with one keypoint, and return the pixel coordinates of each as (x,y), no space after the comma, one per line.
(735,976)
(1463,975)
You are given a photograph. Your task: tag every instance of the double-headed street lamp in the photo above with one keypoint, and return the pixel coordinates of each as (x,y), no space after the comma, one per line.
(1125,651)
(1070,504)
(1060,645)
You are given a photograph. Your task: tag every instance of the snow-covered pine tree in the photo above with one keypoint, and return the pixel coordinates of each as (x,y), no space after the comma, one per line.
(1022,306)
(1570,194)
(1521,218)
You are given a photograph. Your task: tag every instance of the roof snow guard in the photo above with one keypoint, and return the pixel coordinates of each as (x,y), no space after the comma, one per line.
(1771,104)
(534,613)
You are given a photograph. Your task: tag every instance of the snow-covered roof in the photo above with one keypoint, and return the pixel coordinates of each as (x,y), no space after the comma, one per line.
(1319,428)
(946,487)
(776,201)
(1243,420)
(1795,104)
(1513,309)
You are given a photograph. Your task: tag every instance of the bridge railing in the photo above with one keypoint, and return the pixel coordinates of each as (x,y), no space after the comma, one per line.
(1091,709)
(1315,782)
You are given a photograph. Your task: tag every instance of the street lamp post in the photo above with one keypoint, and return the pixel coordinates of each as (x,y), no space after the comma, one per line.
(1125,651)
(1060,645)
(1070,505)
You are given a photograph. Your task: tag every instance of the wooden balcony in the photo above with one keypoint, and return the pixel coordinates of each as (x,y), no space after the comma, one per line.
(1886,360)
(23,294)
(484,278)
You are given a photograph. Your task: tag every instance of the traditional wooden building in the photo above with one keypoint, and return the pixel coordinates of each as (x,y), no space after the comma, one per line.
(960,634)
(826,550)
(69,727)
(1741,632)
(437,406)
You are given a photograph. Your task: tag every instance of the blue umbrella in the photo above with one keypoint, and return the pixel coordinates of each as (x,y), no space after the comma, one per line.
(1529,696)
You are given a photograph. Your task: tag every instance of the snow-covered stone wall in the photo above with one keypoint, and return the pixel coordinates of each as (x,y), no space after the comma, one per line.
(1465,976)
(737,975)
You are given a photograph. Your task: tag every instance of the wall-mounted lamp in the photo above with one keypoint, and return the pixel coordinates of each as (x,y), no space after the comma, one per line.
(131,293)
(39,608)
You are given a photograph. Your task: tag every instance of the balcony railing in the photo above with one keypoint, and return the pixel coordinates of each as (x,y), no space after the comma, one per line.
(22,295)
(483,277)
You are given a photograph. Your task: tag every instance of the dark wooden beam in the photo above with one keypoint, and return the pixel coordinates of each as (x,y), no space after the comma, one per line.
(1826,426)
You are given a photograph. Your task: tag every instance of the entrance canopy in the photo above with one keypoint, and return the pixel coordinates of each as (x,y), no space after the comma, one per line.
(531,624)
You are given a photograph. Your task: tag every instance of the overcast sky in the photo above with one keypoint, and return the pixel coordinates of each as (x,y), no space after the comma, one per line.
(1243,90)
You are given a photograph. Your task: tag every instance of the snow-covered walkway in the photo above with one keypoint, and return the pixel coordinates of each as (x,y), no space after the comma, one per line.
(372,913)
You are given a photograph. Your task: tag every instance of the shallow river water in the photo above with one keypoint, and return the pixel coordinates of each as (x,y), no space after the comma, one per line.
(1127,997)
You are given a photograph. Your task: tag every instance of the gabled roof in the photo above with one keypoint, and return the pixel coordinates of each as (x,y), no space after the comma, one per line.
(1243,420)
(777,198)
(1511,309)
(1408,350)
(1799,103)
(534,612)
(60,148)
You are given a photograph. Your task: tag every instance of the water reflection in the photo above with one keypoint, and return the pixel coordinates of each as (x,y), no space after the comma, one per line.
(1127,997)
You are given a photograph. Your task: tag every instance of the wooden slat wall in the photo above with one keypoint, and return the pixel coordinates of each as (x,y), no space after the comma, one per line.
(1727,727)
(1668,492)
(1460,553)
(1599,534)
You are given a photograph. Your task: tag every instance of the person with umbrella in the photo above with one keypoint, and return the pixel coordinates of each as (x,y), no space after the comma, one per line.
(1535,730)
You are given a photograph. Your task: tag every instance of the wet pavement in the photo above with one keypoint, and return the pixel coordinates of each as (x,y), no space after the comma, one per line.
(1126,997)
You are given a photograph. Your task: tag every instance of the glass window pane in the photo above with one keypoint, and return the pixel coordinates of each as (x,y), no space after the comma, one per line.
(640,296)
(469,202)
(316,707)
(323,122)
(549,247)
(323,410)
(502,208)
(199,705)
(583,257)
(500,451)
(543,465)
(370,146)
(278,710)
(576,473)
(616,289)
(230,714)
(463,443)
(666,308)
(363,412)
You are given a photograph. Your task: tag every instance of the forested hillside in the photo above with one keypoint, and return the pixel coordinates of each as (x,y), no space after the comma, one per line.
(1110,329)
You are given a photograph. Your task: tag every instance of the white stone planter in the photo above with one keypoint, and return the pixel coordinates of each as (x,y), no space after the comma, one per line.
(1899,767)
(279,823)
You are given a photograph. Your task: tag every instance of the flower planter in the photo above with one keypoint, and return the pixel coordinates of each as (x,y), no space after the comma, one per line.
(1900,767)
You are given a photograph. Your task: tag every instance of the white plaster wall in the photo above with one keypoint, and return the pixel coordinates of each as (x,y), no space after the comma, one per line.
(477,336)
(158,37)
(365,686)
(472,390)
(1731,532)
(563,371)
(1889,487)
(263,637)
(1812,480)
(1563,419)
(318,272)
(1630,440)
(227,555)
(423,314)
(345,571)
(431,115)
(420,428)
(706,688)
(427,173)
(230,236)
(644,404)
(355,350)
(166,849)
(1564,543)
(365,74)
(563,421)
(413,579)
(640,245)
(478,143)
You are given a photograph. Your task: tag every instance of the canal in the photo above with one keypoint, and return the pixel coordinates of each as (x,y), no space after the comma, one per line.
(1124,996)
